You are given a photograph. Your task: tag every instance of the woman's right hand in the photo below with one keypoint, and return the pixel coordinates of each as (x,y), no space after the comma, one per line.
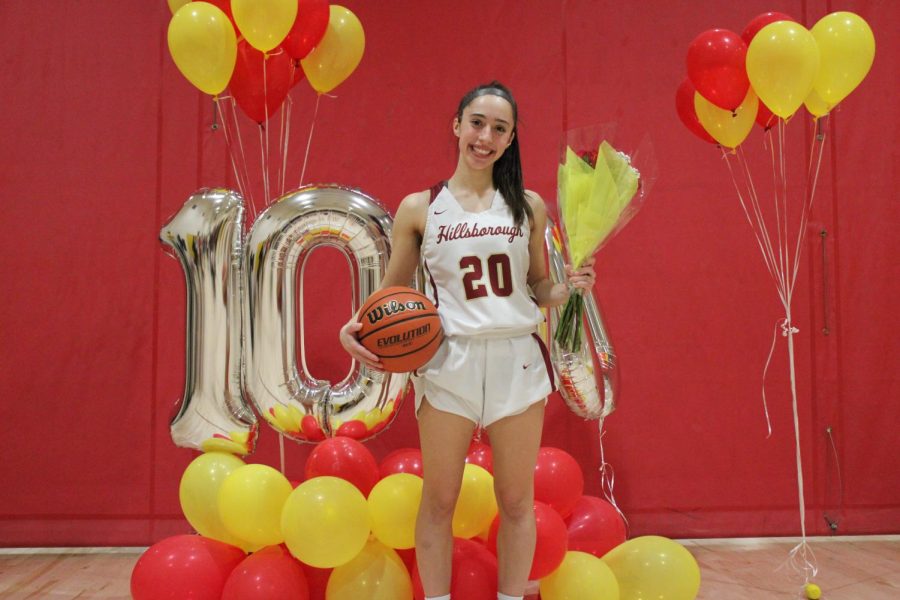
(350,342)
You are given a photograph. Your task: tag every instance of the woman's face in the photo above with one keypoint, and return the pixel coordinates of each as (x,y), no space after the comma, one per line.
(484,131)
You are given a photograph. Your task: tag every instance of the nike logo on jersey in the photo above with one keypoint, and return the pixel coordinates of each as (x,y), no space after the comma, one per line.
(440,212)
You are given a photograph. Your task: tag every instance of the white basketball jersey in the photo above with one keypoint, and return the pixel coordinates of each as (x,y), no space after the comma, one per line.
(476,268)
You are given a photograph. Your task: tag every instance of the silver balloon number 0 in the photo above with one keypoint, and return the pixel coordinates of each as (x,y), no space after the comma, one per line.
(244,307)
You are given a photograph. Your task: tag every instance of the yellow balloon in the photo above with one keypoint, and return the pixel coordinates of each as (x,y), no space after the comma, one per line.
(264,23)
(174,5)
(782,62)
(393,506)
(325,522)
(376,573)
(476,506)
(338,53)
(199,492)
(203,46)
(580,576)
(727,128)
(847,48)
(654,567)
(815,105)
(250,503)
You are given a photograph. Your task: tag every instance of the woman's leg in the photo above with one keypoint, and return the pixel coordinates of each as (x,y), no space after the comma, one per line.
(444,438)
(515,442)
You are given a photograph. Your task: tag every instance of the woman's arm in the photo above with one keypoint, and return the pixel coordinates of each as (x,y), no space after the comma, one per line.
(545,291)
(406,240)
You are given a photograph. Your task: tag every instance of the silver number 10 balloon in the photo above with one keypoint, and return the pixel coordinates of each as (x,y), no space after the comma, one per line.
(242,309)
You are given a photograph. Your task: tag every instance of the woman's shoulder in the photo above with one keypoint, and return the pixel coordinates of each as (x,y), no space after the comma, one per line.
(535,202)
(413,210)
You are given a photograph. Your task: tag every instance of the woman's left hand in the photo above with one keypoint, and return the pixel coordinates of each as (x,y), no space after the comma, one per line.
(584,277)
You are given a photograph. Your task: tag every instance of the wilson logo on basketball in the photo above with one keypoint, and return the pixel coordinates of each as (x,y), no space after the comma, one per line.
(392,308)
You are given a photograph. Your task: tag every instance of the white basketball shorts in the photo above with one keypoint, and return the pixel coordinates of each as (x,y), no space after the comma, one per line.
(485,379)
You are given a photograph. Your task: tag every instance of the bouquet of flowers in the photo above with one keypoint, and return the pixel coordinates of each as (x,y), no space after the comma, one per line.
(599,191)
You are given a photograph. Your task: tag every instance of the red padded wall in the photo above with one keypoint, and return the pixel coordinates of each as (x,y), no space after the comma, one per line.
(105,140)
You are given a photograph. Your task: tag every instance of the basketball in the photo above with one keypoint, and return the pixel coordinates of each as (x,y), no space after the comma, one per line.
(401,327)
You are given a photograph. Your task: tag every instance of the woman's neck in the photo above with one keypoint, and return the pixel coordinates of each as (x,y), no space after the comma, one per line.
(479,183)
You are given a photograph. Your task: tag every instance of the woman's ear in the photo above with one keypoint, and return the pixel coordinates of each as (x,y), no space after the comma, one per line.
(456,126)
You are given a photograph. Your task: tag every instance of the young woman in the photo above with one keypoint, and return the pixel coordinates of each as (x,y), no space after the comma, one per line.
(481,238)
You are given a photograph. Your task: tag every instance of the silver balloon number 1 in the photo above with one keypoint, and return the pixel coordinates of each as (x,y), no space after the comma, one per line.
(243,308)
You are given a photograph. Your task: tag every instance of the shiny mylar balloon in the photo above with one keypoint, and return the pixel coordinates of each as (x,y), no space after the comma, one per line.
(203,45)
(727,127)
(588,379)
(264,23)
(277,248)
(205,236)
(338,53)
(782,62)
(654,567)
(847,48)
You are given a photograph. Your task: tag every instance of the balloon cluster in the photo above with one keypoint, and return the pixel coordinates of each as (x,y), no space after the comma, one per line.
(775,66)
(348,533)
(260,49)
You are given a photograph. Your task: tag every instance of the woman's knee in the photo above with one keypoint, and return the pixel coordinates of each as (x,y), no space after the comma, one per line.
(515,503)
(439,503)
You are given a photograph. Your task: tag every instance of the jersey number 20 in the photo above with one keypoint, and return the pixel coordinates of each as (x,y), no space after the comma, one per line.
(499,275)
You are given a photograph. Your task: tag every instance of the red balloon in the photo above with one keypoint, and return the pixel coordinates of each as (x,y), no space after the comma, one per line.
(481,454)
(558,480)
(408,556)
(404,460)
(595,526)
(551,544)
(308,29)
(317,580)
(764,117)
(345,458)
(761,21)
(354,428)
(311,429)
(716,66)
(474,573)
(684,104)
(258,93)
(271,573)
(184,566)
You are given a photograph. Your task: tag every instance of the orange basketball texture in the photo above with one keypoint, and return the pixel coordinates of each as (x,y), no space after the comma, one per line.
(401,327)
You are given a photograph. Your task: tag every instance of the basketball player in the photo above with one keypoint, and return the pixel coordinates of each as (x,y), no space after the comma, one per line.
(480,236)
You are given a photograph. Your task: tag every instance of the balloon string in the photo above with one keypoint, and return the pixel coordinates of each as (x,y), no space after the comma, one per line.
(263,164)
(608,476)
(281,451)
(312,127)
(811,188)
(753,227)
(229,147)
(285,139)
(243,161)
(239,166)
(766,240)
(263,127)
